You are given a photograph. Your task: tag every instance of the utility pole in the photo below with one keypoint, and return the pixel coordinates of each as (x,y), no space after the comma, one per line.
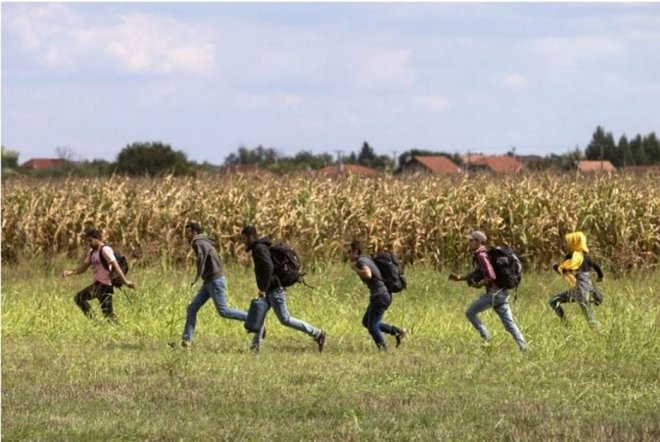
(394,160)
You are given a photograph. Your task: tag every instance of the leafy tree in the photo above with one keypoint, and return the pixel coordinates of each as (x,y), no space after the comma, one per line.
(258,155)
(601,147)
(152,158)
(9,159)
(625,156)
(652,148)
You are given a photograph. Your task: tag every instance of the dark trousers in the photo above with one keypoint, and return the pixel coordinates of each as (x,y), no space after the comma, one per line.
(373,317)
(98,291)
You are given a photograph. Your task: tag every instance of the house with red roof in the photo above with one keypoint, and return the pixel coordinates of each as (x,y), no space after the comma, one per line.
(43,163)
(493,163)
(595,166)
(437,164)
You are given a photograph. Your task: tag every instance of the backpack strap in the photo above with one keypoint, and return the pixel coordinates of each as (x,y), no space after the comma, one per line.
(102,258)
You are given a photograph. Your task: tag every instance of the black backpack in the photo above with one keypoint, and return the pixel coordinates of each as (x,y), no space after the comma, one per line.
(507,266)
(287,265)
(391,271)
(121,260)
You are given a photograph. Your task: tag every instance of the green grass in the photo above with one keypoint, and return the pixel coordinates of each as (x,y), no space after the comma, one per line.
(67,378)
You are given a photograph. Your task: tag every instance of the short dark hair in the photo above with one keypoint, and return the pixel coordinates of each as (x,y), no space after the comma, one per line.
(249,231)
(92,232)
(356,246)
(195,227)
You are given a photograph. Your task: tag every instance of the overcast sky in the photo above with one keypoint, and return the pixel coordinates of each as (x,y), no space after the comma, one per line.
(207,78)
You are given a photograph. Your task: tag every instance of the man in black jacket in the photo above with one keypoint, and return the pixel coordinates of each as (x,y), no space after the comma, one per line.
(271,288)
(210,269)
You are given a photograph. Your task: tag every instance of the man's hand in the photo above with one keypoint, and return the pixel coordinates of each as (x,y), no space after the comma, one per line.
(131,284)
(68,273)
(262,294)
(454,277)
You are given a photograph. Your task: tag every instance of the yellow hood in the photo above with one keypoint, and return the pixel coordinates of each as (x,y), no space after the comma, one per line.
(577,244)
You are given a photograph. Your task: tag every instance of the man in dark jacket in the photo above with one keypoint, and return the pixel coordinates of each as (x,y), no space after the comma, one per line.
(210,269)
(271,288)
(379,300)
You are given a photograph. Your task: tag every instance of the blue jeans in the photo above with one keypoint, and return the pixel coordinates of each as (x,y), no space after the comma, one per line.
(581,293)
(277,300)
(372,319)
(499,301)
(216,290)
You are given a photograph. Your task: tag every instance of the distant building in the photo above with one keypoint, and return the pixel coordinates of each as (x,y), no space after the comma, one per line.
(43,163)
(595,166)
(342,169)
(430,164)
(492,163)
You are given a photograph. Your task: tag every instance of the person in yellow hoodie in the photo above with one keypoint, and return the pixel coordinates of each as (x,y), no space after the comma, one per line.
(575,270)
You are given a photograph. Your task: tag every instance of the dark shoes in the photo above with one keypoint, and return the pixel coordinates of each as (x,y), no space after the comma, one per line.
(320,340)
(183,344)
(400,335)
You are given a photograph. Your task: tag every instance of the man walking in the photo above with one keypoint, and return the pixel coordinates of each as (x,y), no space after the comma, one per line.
(210,269)
(495,297)
(101,287)
(272,290)
(380,298)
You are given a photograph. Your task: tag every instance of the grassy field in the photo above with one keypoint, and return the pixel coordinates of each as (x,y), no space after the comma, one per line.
(67,378)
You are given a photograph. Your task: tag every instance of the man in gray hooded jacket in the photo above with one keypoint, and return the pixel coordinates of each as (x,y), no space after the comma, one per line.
(210,269)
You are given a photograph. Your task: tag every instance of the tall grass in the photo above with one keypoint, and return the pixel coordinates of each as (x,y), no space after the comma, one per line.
(68,378)
(422,218)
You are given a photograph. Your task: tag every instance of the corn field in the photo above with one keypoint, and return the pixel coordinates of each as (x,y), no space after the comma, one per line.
(423,219)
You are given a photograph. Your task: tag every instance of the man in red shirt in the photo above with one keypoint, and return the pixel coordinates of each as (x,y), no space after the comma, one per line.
(495,297)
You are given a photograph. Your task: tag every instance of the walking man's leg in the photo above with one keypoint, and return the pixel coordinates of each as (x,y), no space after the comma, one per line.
(484,302)
(504,312)
(197,302)
(219,293)
(82,299)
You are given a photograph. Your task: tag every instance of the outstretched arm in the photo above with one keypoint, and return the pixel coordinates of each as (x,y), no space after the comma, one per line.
(80,269)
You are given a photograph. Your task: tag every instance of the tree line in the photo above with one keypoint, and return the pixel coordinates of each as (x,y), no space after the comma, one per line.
(155,158)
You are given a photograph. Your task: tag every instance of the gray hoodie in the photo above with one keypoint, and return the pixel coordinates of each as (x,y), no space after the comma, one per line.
(209,265)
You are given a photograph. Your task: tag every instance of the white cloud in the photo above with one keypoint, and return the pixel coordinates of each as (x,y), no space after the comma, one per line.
(138,43)
(265,101)
(515,80)
(572,50)
(435,103)
(149,44)
(387,69)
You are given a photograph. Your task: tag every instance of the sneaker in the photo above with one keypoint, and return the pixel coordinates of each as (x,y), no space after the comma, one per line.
(254,348)
(182,344)
(400,335)
(321,341)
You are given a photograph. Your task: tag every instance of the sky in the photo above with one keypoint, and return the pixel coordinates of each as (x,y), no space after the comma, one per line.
(208,78)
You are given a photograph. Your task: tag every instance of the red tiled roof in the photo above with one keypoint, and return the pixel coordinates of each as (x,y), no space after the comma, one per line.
(348,168)
(503,164)
(42,163)
(500,163)
(593,166)
(438,164)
